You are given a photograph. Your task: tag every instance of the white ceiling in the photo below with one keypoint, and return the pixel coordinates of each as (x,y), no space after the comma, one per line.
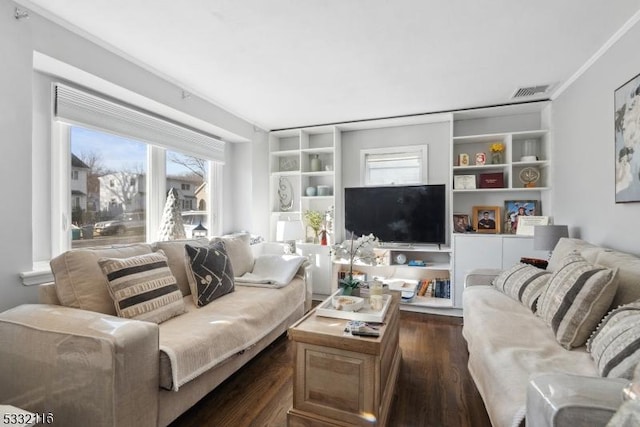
(289,63)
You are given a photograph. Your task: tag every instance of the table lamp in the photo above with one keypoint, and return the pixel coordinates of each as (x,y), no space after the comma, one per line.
(545,237)
(288,232)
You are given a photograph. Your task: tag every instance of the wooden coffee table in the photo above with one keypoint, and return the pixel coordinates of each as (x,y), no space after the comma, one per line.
(340,379)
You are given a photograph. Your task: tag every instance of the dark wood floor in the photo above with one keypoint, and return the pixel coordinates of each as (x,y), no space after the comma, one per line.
(434,388)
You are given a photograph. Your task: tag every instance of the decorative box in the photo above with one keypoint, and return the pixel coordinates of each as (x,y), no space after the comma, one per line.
(491,180)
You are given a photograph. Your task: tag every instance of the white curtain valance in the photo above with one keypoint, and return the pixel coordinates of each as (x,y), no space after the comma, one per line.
(80,107)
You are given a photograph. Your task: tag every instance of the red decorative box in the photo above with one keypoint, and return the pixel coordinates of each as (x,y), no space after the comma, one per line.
(491,180)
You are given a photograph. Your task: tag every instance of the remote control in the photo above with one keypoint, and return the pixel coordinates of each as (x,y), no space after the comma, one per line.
(366,333)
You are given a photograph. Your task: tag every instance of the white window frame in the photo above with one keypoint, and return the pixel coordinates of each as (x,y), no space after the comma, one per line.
(55,239)
(422,151)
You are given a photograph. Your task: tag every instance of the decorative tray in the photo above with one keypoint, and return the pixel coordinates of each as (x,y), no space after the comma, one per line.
(365,314)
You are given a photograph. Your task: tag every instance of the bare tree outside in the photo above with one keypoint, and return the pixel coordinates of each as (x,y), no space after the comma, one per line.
(194,164)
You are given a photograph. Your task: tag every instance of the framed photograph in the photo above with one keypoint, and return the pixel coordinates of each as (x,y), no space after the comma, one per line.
(526,224)
(513,209)
(486,219)
(460,223)
(627,141)
(464,182)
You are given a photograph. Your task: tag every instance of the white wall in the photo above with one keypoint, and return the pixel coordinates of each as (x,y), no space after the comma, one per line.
(18,40)
(436,136)
(583,155)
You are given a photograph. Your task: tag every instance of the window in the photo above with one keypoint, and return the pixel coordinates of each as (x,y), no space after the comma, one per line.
(394,166)
(121,187)
(74,175)
(182,167)
(115,165)
(186,187)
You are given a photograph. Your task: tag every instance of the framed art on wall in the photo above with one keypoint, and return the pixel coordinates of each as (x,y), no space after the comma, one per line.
(486,219)
(513,209)
(627,141)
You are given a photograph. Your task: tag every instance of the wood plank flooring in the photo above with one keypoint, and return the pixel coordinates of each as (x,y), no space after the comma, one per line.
(434,388)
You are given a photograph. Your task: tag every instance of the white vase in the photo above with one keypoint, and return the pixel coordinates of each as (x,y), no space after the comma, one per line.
(315,163)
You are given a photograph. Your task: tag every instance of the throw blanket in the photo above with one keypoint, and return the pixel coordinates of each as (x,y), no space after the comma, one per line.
(205,337)
(273,271)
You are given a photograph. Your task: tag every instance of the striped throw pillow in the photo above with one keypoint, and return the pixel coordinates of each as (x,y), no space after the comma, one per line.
(209,271)
(524,283)
(615,345)
(142,287)
(576,299)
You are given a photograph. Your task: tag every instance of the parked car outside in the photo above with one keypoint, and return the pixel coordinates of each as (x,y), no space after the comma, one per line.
(192,219)
(126,223)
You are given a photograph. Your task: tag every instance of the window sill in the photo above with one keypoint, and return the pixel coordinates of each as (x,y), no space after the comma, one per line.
(40,274)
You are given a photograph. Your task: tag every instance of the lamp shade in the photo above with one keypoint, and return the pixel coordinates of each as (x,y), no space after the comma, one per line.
(289,230)
(545,237)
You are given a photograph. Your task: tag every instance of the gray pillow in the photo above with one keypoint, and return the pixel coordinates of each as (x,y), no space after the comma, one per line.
(209,271)
(576,299)
(615,345)
(524,283)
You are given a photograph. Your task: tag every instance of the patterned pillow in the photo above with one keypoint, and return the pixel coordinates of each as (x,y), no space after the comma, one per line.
(524,283)
(142,287)
(577,297)
(209,272)
(615,345)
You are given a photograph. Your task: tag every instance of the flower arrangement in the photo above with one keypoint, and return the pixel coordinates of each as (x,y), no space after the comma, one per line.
(314,220)
(360,249)
(497,147)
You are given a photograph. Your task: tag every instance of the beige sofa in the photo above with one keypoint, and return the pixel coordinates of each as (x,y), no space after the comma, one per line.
(520,369)
(77,360)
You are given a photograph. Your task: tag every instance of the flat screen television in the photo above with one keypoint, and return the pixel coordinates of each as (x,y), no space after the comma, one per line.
(397,214)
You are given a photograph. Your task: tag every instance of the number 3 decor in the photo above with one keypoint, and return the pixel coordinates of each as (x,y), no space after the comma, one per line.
(627,141)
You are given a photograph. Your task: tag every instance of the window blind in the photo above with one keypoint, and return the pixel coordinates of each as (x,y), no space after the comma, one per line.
(75,106)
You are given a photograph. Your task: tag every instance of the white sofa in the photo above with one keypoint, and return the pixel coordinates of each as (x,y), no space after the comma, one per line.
(88,367)
(520,369)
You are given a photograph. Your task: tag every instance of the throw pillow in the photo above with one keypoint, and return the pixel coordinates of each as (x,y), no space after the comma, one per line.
(577,297)
(524,283)
(615,345)
(142,287)
(239,250)
(80,282)
(210,272)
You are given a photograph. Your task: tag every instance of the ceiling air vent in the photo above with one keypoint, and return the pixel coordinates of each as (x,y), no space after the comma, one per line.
(530,91)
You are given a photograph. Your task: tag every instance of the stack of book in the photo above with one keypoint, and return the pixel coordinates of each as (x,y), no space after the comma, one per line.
(437,288)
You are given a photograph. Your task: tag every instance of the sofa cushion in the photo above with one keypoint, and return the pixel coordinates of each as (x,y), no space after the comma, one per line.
(507,343)
(564,247)
(239,250)
(142,287)
(628,275)
(210,272)
(79,279)
(615,345)
(174,251)
(523,283)
(577,297)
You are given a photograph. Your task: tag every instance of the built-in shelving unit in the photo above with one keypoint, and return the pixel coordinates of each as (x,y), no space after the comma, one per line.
(437,265)
(514,127)
(302,159)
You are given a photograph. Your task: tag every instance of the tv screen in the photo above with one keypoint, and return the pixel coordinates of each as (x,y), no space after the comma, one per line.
(402,214)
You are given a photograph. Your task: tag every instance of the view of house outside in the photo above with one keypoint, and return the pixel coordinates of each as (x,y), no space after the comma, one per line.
(108,188)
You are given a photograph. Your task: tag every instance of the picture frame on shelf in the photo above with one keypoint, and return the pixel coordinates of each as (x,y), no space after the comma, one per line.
(626,141)
(460,223)
(526,224)
(514,209)
(464,182)
(486,219)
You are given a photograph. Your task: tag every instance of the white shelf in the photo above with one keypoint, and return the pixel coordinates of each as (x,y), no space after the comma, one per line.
(502,166)
(285,153)
(430,302)
(502,190)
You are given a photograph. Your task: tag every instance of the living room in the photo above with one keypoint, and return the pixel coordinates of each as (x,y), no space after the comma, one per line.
(582,122)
